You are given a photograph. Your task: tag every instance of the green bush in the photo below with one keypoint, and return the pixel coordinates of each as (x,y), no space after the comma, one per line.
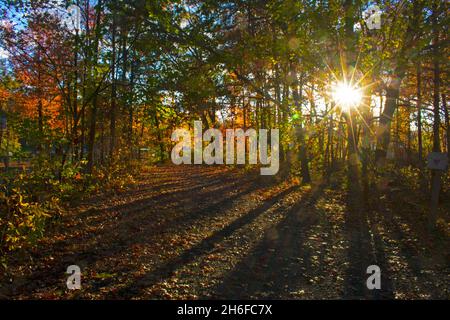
(22,221)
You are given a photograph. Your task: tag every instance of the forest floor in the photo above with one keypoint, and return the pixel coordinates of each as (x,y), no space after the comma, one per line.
(214,232)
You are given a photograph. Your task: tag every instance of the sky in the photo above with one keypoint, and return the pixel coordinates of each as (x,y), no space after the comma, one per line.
(3,54)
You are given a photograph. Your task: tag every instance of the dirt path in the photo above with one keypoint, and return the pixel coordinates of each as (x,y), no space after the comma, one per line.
(209,232)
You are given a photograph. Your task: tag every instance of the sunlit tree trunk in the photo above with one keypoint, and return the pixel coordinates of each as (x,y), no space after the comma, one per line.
(435,175)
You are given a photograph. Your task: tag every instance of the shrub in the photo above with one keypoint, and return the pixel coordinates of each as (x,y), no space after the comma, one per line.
(22,222)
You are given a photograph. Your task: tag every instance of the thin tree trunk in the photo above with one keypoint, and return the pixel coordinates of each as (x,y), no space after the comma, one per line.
(435,174)
(422,181)
(303,156)
(93,119)
(447,122)
(112,127)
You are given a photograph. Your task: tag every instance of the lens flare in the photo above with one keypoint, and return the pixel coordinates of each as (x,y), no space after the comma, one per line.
(346,96)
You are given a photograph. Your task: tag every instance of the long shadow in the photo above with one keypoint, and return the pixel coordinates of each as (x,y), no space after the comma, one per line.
(171,176)
(362,251)
(144,203)
(387,287)
(109,246)
(425,254)
(429,283)
(408,242)
(181,179)
(206,245)
(131,211)
(278,263)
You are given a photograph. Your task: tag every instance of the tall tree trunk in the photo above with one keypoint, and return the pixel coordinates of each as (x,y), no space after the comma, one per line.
(366,114)
(87,58)
(93,118)
(74,137)
(159,136)
(419,128)
(350,65)
(393,89)
(384,129)
(447,122)
(40,109)
(436,84)
(303,155)
(112,127)
(435,174)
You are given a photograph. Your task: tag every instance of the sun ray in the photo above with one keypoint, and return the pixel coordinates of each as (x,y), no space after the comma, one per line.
(346,95)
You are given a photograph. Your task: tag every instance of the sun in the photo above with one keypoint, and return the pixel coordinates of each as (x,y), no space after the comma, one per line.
(346,96)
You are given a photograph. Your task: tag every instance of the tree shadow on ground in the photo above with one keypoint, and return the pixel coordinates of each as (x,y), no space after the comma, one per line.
(105,243)
(167,269)
(365,247)
(279,263)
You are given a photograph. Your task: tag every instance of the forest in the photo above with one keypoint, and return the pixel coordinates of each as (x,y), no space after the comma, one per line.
(92,91)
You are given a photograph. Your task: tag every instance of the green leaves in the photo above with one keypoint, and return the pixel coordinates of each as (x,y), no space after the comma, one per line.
(22,222)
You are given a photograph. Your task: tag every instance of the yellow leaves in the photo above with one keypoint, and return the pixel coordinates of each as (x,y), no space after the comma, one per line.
(233,75)
(207,269)
(25,220)
(104,275)
(179,241)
